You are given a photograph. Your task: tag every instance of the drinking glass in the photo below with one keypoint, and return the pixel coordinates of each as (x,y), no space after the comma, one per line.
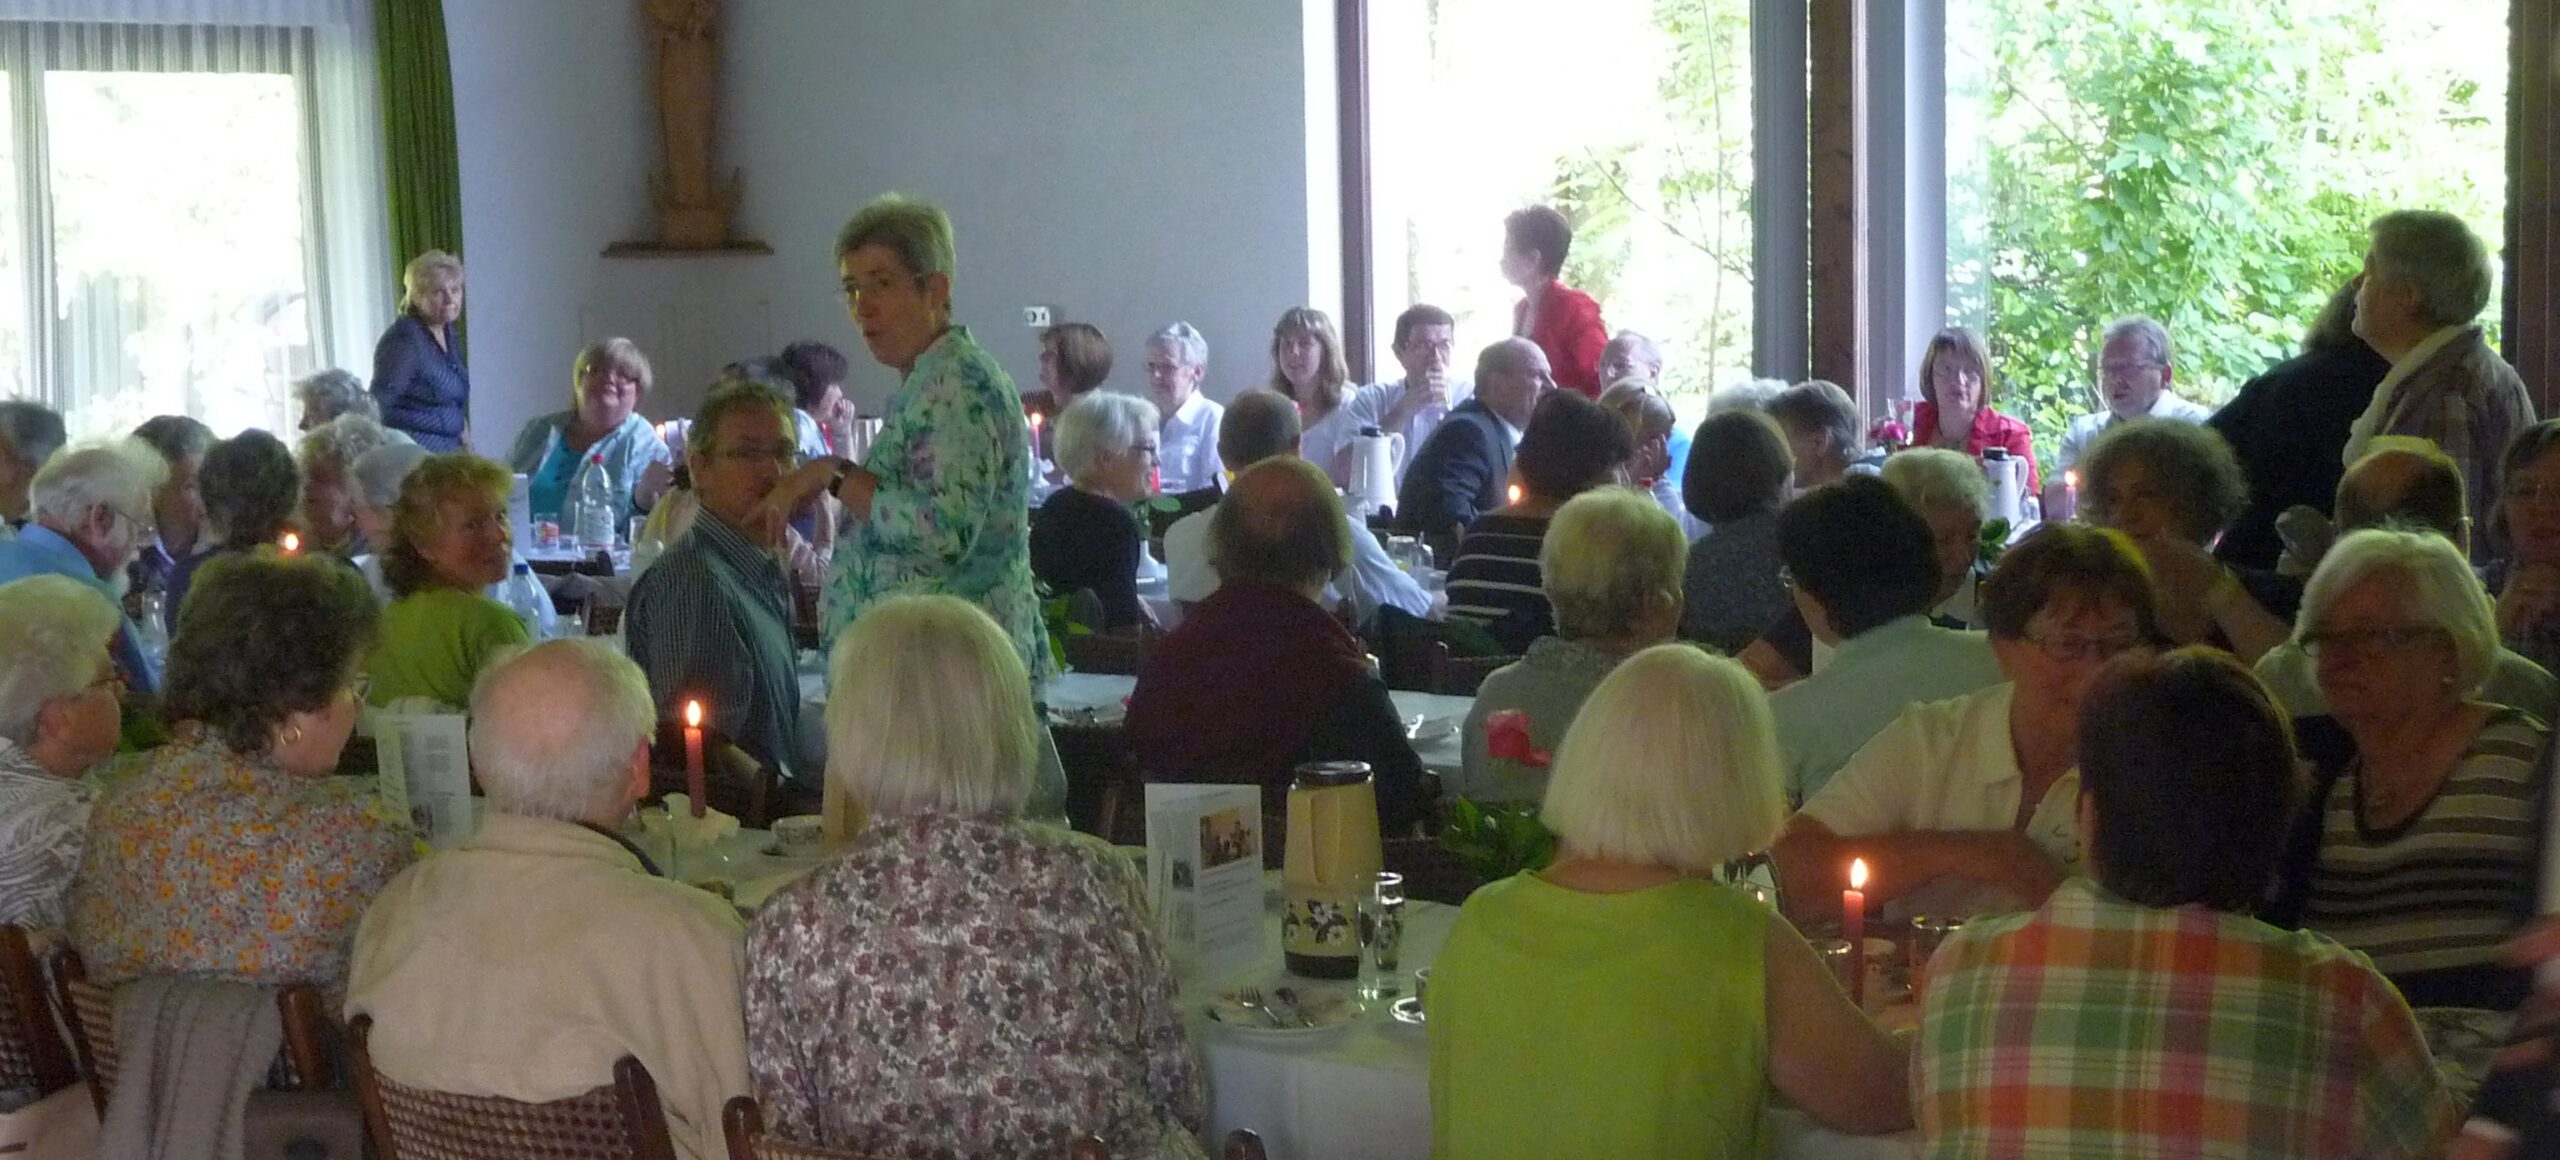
(1382,937)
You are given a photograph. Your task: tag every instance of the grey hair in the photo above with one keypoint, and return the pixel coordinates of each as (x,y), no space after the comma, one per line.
(119,475)
(1185,341)
(175,437)
(1097,423)
(2437,255)
(340,442)
(32,430)
(1753,395)
(930,710)
(1611,555)
(2443,590)
(917,231)
(1820,405)
(336,392)
(1671,762)
(430,267)
(380,472)
(1638,348)
(53,635)
(1934,479)
(2155,337)
(553,728)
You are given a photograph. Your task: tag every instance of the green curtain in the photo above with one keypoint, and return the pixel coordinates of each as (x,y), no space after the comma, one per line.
(422,168)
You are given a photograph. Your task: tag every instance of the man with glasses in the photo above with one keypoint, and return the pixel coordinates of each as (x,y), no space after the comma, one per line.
(90,514)
(2135,370)
(711,619)
(1413,406)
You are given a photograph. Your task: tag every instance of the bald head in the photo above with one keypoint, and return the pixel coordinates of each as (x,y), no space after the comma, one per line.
(1259,424)
(1281,524)
(561,731)
(2405,481)
(1511,376)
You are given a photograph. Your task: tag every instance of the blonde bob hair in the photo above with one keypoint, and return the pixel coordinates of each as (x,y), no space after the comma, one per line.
(2438,589)
(433,268)
(1610,556)
(419,512)
(930,711)
(618,354)
(1671,762)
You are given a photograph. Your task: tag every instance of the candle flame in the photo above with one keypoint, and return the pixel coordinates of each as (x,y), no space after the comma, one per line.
(693,714)
(1515,493)
(1035,419)
(2071,478)
(1857,873)
(290,543)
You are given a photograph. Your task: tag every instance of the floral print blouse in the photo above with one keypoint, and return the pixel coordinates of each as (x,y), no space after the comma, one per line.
(214,864)
(970,986)
(952,513)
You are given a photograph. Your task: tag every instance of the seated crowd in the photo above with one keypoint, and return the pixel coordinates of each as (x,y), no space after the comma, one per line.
(2221,794)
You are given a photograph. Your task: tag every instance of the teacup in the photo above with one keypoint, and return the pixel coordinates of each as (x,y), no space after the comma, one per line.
(801,836)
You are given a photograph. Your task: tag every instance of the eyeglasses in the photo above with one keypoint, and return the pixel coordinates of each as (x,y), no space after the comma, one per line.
(359,689)
(783,457)
(853,290)
(2128,368)
(2371,642)
(2085,648)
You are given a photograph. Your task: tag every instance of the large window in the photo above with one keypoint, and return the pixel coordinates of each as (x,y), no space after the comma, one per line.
(1632,116)
(2210,164)
(187,203)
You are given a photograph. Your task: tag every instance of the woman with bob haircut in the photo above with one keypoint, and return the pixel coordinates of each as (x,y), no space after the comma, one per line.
(1955,409)
(607,383)
(946,900)
(418,376)
(2422,844)
(1086,535)
(1623,1003)
(450,541)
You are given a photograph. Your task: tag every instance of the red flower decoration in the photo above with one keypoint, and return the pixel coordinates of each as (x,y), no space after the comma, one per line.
(1506,736)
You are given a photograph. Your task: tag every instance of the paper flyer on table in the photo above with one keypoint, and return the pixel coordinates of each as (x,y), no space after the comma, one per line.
(1204,862)
(426,773)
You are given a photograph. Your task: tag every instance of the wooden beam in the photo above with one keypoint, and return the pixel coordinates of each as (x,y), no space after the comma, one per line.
(1359,289)
(1836,132)
(2532,295)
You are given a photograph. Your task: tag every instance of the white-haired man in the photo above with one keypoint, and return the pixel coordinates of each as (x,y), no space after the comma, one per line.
(525,962)
(2426,279)
(2136,368)
(1187,447)
(91,514)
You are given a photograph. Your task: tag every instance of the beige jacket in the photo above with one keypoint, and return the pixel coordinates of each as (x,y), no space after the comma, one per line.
(524,963)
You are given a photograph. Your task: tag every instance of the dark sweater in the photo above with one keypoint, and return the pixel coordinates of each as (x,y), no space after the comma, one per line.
(1083,540)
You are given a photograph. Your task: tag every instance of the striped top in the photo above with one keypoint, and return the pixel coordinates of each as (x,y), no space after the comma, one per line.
(43,821)
(1494,580)
(2445,890)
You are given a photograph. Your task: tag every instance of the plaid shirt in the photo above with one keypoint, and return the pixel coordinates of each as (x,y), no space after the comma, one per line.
(2096,1027)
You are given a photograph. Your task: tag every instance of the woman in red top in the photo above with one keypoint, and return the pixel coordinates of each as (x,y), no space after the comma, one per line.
(1955,404)
(1564,322)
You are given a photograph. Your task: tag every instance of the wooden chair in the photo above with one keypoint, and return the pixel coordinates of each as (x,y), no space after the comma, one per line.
(32,1054)
(621,1120)
(1454,675)
(89,1011)
(1243,1144)
(742,1125)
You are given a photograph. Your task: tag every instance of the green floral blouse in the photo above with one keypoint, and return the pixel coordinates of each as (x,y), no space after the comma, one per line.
(952,514)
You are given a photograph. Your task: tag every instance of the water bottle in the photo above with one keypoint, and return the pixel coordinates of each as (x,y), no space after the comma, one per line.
(522,591)
(592,512)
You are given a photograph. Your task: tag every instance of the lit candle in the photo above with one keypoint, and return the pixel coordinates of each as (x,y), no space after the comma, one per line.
(1853,927)
(693,756)
(1514,493)
(2070,494)
(290,543)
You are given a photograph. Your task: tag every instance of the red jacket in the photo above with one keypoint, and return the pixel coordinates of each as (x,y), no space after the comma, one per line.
(1990,429)
(1570,331)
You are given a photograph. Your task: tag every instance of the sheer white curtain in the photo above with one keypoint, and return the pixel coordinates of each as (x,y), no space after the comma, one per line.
(193,212)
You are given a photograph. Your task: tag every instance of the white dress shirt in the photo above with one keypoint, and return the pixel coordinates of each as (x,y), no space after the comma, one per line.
(1187,449)
(1369,405)
(2085,430)
(1369,582)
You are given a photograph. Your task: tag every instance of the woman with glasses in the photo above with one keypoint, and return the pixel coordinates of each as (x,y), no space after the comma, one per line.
(607,384)
(1086,536)
(450,540)
(231,853)
(60,714)
(1970,805)
(2421,844)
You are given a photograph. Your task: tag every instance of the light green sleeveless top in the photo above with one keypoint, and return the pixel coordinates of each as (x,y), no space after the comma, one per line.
(1568,1024)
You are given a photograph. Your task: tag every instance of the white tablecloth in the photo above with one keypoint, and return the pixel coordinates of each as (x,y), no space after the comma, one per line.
(1364,1092)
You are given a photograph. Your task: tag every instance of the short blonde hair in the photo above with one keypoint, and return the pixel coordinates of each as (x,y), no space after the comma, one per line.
(2443,593)
(617,353)
(1611,554)
(430,268)
(918,232)
(1098,423)
(54,633)
(930,710)
(1671,762)
(419,512)
(1934,479)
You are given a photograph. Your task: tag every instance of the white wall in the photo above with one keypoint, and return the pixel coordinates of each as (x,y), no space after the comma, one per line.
(1126,162)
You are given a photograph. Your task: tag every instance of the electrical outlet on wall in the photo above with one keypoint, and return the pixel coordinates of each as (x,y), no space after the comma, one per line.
(1035,316)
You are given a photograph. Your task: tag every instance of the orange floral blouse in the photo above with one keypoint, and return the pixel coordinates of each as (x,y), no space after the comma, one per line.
(217,865)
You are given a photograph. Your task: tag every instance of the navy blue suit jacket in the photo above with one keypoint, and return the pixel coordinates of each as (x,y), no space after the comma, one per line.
(1458,474)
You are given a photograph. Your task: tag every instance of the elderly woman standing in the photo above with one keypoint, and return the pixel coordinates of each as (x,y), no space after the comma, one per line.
(944,504)
(603,421)
(59,715)
(449,542)
(2426,279)
(1737,481)
(231,854)
(418,377)
(1087,535)
(251,487)
(328,394)
(1623,977)
(1307,366)
(2421,846)
(1955,404)
(869,982)
(329,493)
(1611,566)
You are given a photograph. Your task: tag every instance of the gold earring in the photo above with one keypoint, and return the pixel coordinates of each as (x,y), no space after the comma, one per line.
(293,734)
